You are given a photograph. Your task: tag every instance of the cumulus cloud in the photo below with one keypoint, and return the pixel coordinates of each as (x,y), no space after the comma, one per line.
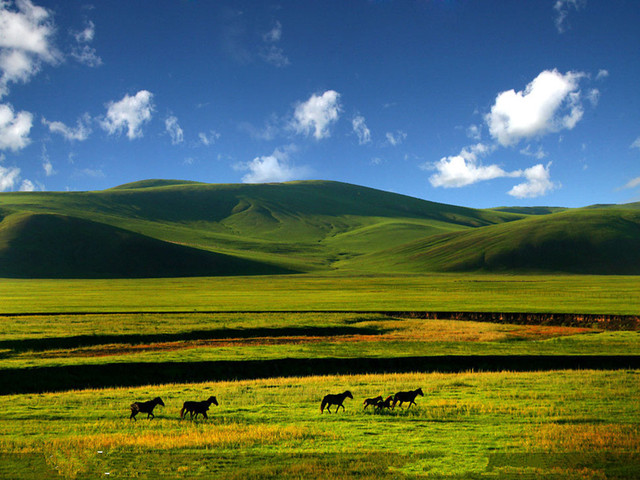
(26,33)
(562,8)
(539,153)
(174,130)
(361,129)
(9,176)
(538,182)
(273,168)
(602,73)
(14,128)
(80,133)
(465,168)
(636,143)
(27,186)
(316,115)
(129,114)
(551,102)
(397,138)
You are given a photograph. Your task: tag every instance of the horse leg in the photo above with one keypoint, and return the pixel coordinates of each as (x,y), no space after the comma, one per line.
(204,414)
(133,415)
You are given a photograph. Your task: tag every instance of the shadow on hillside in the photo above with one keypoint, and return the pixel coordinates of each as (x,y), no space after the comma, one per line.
(55,343)
(49,379)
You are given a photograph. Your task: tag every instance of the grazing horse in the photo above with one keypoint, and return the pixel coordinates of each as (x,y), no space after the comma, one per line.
(407,397)
(372,401)
(386,403)
(145,407)
(337,399)
(195,408)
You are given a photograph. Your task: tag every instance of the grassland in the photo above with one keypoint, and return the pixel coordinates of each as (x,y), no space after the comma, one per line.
(436,292)
(560,424)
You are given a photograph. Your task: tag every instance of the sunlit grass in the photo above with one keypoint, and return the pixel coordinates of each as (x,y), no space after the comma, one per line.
(466,425)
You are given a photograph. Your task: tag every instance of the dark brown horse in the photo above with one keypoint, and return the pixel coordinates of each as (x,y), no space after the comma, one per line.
(386,403)
(196,408)
(407,397)
(145,407)
(337,399)
(372,401)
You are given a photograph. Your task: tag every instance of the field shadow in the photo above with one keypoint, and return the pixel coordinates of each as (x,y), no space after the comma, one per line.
(78,341)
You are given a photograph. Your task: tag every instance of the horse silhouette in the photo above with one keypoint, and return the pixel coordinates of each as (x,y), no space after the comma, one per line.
(407,397)
(386,403)
(145,407)
(337,399)
(372,401)
(197,408)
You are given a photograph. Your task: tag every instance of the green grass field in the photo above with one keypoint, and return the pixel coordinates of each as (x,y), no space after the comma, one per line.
(557,424)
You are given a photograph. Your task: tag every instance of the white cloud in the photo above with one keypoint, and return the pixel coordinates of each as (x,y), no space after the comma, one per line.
(47,166)
(633,183)
(316,115)
(273,168)
(14,128)
(86,35)
(594,96)
(551,102)
(82,52)
(270,52)
(397,138)
(474,132)
(538,154)
(25,41)
(86,55)
(537,183)
(129,114)
(465,168)
(361,129)
(562,8)
(602,73)
(27,186)
(636,143)
(174,130)
(80,133)
(208,139)
(8,178)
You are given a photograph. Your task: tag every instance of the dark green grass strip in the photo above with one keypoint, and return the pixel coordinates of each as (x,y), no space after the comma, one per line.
(605,321)
(49,343)
(49,379)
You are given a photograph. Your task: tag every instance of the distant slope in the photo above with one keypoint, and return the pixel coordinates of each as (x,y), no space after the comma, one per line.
(57,246)
(582,241)
(179,228)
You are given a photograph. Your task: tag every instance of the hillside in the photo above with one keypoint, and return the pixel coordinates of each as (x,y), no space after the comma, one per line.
(584,241)
(182,228)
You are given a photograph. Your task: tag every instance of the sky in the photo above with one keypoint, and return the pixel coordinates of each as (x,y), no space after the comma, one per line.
(473,103)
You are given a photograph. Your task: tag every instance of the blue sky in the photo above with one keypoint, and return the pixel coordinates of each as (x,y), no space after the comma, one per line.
(475,103)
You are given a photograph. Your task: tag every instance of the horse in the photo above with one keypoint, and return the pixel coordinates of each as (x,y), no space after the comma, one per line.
(337,399)
(145,407)
(386,403)
(407,397)
(372,401)
(195,408)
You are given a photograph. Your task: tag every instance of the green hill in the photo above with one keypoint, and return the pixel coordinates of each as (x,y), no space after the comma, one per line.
(582,241)
(310,226)
(57,246)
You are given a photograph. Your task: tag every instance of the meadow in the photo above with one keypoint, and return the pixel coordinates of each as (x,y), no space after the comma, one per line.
(74,354)
(557,424)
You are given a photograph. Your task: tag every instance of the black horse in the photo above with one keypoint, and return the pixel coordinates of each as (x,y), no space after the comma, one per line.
(145,407)
(372,401)
(407,397)
(386,403)
(337,399)
(196,408)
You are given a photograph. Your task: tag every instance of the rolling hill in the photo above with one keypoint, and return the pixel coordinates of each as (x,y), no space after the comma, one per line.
(181,228)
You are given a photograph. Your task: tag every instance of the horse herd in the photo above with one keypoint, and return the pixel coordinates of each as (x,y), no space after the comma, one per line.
(200,408)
